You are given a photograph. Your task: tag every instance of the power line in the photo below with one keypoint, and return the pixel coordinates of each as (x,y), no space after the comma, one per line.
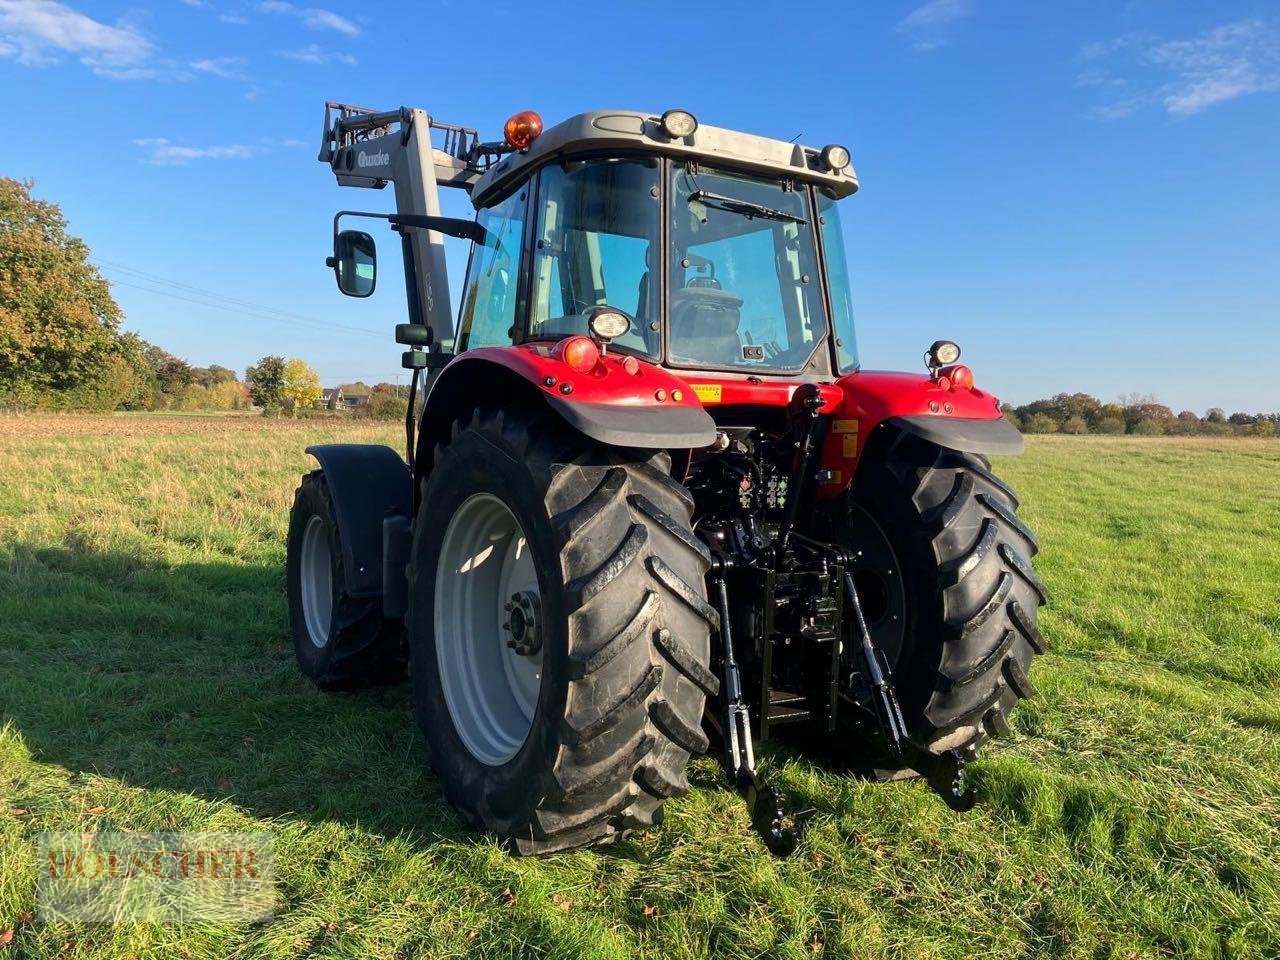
(217,301)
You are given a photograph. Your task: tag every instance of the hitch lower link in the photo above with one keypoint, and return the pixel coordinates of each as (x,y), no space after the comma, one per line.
(767,807)
(944,773)
(765,802)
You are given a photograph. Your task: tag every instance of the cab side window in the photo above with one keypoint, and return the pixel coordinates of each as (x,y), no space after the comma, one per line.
(488,310)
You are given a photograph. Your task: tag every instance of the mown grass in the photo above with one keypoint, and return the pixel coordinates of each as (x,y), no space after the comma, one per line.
(145,669)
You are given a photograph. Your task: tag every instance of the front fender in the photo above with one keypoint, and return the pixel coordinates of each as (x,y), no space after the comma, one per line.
(367,482)
(965,419)
(648,408)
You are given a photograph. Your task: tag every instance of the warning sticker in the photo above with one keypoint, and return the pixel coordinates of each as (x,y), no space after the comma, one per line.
(707,392)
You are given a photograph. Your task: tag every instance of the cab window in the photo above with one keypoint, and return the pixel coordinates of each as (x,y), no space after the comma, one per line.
(488,310)
(595,242)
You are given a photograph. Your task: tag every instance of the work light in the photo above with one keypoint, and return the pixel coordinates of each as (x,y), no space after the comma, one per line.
(834,157)
(942,353)
(608,324)
(678,124)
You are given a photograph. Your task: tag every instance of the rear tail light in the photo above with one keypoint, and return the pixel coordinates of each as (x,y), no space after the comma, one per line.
(580,353)
(959,375)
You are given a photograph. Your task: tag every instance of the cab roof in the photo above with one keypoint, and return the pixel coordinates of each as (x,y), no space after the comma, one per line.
(629,130)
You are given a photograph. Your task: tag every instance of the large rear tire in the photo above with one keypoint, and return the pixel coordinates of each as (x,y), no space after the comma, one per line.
(958,615)
(580,734)
(341,642)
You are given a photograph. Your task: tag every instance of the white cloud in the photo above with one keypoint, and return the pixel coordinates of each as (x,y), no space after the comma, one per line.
(229,68)
(233,18)
(164,153)
(36,32)
(313,53)
(1185,77)
(927,24)
(935,13)
(315,18)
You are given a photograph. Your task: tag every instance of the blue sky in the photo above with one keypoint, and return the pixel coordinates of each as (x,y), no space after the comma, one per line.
(1085,195)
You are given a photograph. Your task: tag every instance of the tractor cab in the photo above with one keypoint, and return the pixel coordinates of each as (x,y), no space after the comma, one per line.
(718,262)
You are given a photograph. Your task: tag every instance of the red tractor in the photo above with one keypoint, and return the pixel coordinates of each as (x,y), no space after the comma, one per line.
(651,502)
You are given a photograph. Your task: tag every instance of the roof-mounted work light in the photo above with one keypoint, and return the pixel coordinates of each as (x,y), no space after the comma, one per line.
(678,124)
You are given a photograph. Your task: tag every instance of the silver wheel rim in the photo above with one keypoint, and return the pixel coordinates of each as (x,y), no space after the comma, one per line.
(316,574)
(491,691)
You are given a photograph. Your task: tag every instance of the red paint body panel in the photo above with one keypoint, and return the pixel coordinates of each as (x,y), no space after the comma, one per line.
(856,403)
(608,383)
(873,396)
(765,393)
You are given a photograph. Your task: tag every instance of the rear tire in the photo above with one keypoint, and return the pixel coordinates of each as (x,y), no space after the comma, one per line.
(969,596)
(623,627)
(341,642)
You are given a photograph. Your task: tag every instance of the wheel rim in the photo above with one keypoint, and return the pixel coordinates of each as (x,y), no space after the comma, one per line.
(316,572)
(879,582)
(486,580)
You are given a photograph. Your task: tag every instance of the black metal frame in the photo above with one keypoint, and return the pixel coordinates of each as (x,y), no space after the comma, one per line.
(812,654)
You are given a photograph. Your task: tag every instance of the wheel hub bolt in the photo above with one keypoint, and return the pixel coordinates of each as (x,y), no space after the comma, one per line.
(524,623)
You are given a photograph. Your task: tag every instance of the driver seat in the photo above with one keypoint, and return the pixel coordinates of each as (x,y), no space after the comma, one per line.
(704,325)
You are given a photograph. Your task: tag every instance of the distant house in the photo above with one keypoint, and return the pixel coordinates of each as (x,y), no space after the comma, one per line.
(353,395)
(331,398)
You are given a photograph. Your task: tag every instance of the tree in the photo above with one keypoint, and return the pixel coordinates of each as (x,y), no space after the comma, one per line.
(301,385)
(228,395)
(194,397)
(1140,407)
(58,322)
(1186,425)
(1241,419)
(1039,423)
(1109,425)
(1215,415)
(1075,424)
(213,374)
(266,381)
(385,405)
(172,376)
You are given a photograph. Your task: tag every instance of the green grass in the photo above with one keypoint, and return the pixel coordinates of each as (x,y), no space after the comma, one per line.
(145,668)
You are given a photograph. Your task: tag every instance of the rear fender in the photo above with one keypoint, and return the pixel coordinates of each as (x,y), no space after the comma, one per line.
(367,482)
(649,408)
(959,418)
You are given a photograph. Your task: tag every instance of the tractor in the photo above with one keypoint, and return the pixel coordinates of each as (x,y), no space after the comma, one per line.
(650,504)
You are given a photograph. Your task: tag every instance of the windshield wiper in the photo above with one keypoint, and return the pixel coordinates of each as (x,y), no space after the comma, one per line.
(744,207)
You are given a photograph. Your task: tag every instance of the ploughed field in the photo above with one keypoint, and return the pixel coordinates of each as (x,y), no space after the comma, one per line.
(147,684)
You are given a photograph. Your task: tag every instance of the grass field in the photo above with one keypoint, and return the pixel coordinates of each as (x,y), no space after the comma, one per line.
(147,683)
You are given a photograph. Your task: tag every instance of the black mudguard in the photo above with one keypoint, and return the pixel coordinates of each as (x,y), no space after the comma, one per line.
(367,482)
(994,437)
(648,427)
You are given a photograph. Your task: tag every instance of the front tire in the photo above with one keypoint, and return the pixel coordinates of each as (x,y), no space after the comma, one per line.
(341,642)
(615,578)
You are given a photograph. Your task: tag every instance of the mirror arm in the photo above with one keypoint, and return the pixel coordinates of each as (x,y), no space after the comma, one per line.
(449,226)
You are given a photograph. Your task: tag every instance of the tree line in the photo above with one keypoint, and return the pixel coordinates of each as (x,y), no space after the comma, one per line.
(1139,414)
(61,346)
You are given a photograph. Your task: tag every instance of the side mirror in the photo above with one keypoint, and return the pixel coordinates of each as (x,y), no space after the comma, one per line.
(355,263)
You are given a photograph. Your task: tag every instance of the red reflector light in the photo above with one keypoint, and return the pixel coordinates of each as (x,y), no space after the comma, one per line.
(959,375)
(580,353)
(522,129)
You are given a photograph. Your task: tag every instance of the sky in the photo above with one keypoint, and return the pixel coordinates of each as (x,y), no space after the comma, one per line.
(1084,195)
